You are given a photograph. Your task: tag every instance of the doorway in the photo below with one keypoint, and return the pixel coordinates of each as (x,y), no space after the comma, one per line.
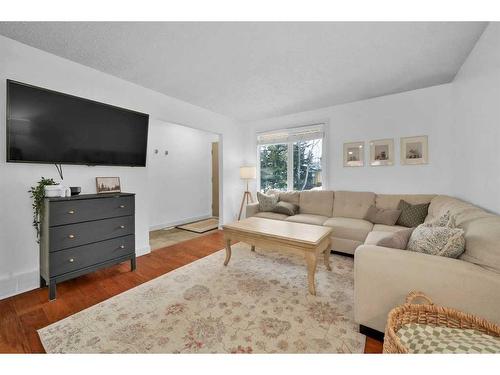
(215,179)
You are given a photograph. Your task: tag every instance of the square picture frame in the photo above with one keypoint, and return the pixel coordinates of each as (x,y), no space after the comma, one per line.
(354,154)
(107,185)
(382,152)
(415,150)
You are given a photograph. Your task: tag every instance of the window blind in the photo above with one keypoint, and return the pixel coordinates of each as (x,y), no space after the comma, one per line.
(304,133)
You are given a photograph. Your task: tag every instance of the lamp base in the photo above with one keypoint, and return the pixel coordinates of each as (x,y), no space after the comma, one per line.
(248,197)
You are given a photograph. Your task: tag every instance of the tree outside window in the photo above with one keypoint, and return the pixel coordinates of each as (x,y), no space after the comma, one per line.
(301,158)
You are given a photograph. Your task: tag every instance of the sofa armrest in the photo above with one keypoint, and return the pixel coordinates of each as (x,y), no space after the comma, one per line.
(383,277)
(252,209)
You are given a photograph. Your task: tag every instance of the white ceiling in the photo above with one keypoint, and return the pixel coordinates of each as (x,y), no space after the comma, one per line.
(256,70)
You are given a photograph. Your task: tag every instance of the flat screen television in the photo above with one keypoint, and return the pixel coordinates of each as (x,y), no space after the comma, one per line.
(45,126)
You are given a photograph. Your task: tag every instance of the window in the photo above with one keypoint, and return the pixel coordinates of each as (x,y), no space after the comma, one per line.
(291,159)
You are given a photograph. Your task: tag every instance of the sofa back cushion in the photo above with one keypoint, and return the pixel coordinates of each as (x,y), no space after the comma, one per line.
(481,229)
(317,202)
(353,204)
(391,201)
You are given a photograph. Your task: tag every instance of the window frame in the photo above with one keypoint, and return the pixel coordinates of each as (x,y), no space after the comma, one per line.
(324,153)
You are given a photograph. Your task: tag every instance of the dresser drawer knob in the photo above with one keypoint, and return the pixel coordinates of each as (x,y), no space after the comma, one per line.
(71,212)
(122,206)
(122,226)
(71,236)
(71,260)
(122,246)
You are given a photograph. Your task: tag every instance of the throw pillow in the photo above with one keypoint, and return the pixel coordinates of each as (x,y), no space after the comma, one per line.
(442,241)
(412,215)
(266,202)
(286,208)
(382,216)
(396,240)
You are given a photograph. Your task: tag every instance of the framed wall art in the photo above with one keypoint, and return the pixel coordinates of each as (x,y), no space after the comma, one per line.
(414,150)
(382,152)
(354,154)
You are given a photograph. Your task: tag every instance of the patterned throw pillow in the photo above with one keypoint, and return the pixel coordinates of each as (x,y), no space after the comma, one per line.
(382,216)
(412,215)
(286,208)
(266,202)
(444,220)
(441,241)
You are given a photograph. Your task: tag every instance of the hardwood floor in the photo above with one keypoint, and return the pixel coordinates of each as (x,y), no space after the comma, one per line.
(23,314)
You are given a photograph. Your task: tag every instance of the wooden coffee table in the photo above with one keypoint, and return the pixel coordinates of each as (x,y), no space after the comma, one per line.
(310,240)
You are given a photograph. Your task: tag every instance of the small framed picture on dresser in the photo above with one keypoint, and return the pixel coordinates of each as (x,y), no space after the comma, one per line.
(108,185)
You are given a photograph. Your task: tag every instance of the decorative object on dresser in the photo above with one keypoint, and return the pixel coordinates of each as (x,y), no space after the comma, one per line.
(382,152)
(354,154)
(414,150)
(247,173)
(105,185)
(84,233)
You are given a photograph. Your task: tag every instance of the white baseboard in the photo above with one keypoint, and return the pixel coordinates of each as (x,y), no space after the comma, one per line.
(19,283)
(179,222)
(142,251)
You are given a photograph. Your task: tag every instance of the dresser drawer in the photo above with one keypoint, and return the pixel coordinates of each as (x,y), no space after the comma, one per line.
(71,235)
(76,258)
(75,211)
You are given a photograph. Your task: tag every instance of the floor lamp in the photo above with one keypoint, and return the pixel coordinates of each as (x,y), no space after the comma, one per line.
(246,173)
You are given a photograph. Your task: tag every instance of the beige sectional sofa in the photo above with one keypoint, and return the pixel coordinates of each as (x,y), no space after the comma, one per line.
(384,276)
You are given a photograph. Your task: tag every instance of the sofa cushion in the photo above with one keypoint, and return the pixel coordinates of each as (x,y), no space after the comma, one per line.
(352,229)
(266,202)
(412,215)
(391,201)
(286,208)
(352,204)
(286,196)
(482,242)
(317,202)
(396,240)
(387,228)
(442,241)
(271,215)
(385,216)
(482,230)
(307,219)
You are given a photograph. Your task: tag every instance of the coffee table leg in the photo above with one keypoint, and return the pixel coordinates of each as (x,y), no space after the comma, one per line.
(311,260)
(326,256)
(228,252)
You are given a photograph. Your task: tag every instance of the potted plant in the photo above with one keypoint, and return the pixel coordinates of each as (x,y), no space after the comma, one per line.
(38,194)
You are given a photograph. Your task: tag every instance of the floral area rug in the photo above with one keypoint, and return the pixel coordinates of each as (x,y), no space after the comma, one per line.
(257,304)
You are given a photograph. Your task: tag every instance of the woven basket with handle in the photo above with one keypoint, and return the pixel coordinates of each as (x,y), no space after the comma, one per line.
(430,314)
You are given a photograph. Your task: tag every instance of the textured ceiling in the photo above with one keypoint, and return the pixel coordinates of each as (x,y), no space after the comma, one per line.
(256,70)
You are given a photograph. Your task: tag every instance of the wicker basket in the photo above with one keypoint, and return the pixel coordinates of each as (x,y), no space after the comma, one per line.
(430,314)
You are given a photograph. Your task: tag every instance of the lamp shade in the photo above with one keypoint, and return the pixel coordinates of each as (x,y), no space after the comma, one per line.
(248,173)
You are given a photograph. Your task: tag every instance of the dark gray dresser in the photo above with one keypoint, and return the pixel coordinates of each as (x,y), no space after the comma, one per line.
(83,233)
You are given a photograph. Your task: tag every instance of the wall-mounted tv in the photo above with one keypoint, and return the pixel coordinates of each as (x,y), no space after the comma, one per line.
(45,126)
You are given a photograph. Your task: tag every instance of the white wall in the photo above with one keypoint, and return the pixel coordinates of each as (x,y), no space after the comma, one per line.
(476,123)
(419,112)
(180,187)
(18,249)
